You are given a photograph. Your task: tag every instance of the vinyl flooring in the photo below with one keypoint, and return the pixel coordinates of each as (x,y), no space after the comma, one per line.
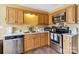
(42,50)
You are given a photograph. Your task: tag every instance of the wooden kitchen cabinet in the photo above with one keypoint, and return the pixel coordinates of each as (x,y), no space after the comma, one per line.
(75,44)
(46,20)
(10,15)
(67,44)
(28,42)
(40,19)
(44,39)
(19,16)
(70,44)
(14,16)
(71,14)
(43,19)
(32,41)
(36,40)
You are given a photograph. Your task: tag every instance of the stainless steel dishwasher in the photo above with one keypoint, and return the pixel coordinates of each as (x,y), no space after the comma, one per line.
(13,44)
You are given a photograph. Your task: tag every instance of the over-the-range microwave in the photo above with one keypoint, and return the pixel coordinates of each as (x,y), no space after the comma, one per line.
(59,18)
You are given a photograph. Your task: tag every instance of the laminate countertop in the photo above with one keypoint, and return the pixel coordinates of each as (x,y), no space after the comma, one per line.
(22,33)
(71,35)
(2,37)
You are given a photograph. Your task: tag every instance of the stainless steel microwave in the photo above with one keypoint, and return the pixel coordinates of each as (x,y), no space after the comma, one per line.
(59,18)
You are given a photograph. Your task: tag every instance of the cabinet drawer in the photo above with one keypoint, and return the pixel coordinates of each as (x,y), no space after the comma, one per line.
(28,36)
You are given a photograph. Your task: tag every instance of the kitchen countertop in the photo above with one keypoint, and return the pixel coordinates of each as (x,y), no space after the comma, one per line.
(2,37)
(71,35)
(22,33)
(68,34)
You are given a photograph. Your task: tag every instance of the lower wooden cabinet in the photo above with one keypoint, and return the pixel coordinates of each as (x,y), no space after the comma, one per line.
(37,40)
(32,41)
(67,44)
(75,44)
(44,39)
(70,44)
(28,42)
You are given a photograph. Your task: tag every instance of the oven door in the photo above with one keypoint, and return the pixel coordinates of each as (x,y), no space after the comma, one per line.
(55,37)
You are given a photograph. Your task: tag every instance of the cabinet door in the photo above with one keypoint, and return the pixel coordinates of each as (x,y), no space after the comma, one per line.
(37,41)
(43,20)
(44,39)
(75,44)
(42,42)
(19,16)
(46,20)
(11,15)
(28,42)
(67,45)
(71,15)
(40,20)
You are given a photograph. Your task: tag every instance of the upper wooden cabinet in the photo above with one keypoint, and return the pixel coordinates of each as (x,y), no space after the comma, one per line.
(71,14)
(11,15)
(46,21)
(43,19)
(14,16)
(19,16)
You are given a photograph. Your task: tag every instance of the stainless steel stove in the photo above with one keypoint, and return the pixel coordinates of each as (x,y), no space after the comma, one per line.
(57,42)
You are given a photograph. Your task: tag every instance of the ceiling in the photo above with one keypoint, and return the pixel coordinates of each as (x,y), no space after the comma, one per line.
(43,7)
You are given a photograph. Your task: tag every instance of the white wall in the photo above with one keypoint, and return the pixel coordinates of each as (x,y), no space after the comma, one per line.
(2,19)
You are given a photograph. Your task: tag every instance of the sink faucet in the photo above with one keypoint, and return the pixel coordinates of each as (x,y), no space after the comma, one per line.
(77,30)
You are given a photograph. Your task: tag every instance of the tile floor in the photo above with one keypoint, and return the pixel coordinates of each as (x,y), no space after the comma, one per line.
(42,50)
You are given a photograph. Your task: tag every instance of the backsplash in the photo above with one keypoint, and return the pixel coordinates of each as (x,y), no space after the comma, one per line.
(24,28)
(73,27)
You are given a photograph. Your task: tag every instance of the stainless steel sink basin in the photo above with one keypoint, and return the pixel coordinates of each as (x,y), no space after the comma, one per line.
(30,32)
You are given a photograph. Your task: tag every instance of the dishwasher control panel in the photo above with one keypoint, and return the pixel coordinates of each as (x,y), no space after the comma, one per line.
(13,37)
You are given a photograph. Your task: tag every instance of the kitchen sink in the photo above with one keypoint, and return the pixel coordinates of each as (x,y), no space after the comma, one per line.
(30,32)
